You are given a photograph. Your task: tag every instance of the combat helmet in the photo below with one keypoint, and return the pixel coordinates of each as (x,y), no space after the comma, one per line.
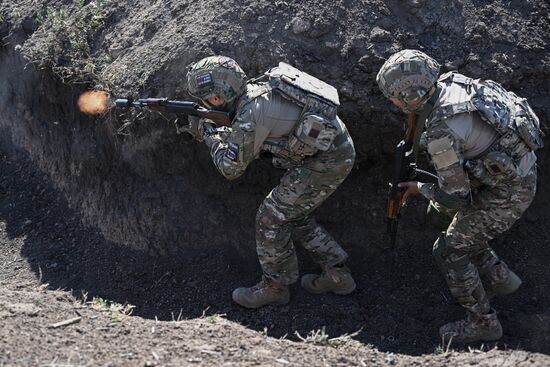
(216,76)
(408,76)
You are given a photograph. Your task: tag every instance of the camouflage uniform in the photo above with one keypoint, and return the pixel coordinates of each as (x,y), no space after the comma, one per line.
(482,203)
(264,123)
(481,140)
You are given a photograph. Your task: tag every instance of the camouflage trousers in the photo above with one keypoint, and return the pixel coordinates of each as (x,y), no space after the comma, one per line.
(285,216)
(462,251)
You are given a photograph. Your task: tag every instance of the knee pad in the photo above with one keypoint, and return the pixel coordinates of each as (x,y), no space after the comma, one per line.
(492,270)
(498,273)
(484,260)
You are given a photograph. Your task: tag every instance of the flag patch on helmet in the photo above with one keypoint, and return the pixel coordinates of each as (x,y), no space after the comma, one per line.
(204,79)
(232,152)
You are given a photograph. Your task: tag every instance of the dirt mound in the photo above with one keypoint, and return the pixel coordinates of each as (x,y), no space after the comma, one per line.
(134,188)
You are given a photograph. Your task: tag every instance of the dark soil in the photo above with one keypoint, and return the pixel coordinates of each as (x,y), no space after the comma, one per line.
(121,210)
(51,265)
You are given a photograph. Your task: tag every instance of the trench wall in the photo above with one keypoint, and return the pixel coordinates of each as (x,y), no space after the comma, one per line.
(142,185)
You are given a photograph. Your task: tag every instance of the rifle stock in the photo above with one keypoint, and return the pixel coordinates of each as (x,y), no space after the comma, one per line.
(220,118)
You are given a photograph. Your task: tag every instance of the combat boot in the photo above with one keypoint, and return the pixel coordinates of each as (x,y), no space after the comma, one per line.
(333,279)
(473,328)
(266,292)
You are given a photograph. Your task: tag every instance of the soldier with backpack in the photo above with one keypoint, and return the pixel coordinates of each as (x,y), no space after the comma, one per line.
(291,115)
(481,140)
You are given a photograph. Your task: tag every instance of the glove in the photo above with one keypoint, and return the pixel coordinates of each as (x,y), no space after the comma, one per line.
(193,127)
(206,128)
(190,128)
(196,127)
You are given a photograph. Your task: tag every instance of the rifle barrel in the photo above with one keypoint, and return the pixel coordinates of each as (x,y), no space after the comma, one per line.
(184,107)
(123,102)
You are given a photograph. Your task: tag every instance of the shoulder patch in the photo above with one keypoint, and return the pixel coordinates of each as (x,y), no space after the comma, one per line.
(232,152)
(442,152)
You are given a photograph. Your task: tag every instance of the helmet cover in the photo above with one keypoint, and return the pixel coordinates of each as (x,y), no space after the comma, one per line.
(408,76)
(216,76)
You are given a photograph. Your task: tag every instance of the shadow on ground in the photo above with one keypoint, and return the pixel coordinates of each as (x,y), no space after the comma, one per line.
(399,312)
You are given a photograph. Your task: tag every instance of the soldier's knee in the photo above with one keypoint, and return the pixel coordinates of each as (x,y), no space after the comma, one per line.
(490,267)
(268,216)
(484,259)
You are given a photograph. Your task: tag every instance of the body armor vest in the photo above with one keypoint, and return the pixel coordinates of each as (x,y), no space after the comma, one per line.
(318,124)
(510,115)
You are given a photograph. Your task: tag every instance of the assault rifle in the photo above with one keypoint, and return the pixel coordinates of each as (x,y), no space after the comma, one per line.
(403,169)
(220,118)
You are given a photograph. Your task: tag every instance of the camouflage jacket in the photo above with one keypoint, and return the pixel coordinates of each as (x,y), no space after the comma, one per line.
(264,121)
(461,146)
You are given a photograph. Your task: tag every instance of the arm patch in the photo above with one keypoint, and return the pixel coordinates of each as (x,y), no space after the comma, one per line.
(442,153)
(232,152)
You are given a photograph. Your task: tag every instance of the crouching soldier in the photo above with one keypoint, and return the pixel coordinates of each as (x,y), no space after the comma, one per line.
(292,115)
(481,140)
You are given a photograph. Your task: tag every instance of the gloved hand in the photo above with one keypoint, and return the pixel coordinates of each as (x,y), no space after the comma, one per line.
(196,127)
(193,127)
(205,128)
(190,128)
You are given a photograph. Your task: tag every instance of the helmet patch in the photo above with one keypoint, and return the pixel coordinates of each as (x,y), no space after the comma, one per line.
(212,76)
(204,80)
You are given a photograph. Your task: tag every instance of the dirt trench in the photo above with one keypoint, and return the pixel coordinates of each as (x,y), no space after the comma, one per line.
(55,269)
(145,218)
(147,188)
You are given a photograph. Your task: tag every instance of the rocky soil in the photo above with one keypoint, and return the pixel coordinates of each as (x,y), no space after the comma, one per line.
(119,209)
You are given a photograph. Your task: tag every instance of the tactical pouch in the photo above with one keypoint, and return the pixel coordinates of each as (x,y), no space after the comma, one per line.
(500,166)
(506,111)
(316,131)
(494,168)
(478,173)
(299,147)
(527,124)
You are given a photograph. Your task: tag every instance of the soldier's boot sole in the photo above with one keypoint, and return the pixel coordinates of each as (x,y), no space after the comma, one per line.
(487,335)
(510,286)
(244,297)
(308,283)
(464,331)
